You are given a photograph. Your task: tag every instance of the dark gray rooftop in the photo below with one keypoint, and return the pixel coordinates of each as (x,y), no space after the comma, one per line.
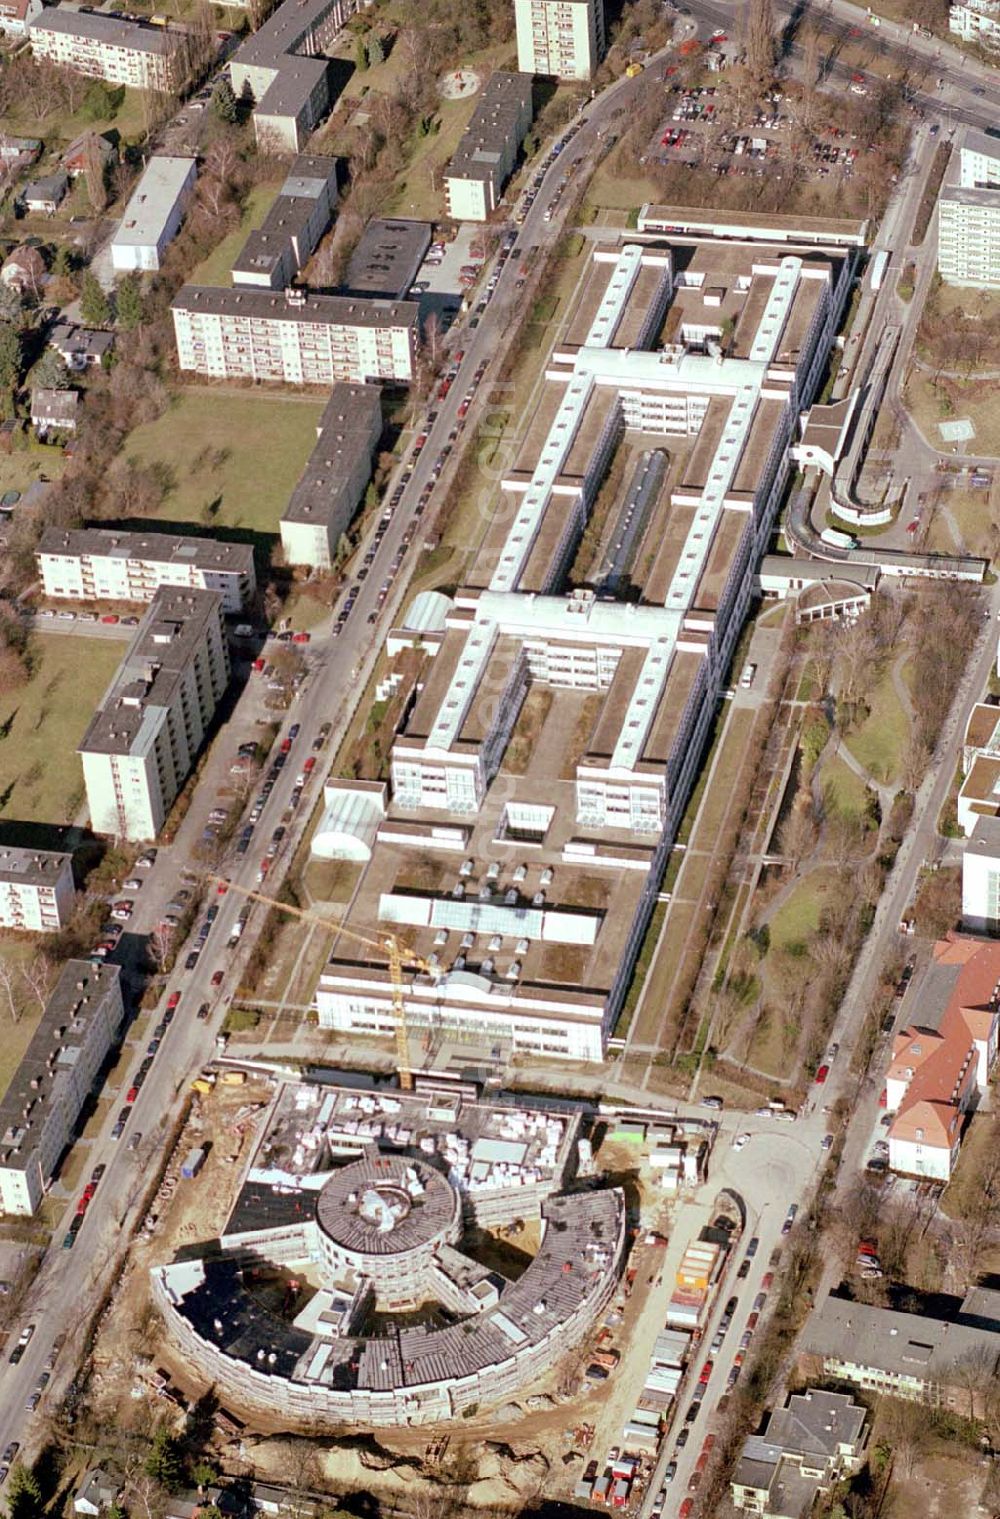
(32,867)
(324,310)
(385,1205)
(388,255)
(96,26)
(351,422)
(908,1344)
(490,128)
(161,548)
(311,176)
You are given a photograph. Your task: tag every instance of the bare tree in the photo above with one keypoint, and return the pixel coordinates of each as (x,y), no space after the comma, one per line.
(760,45)
(8,981)
(38,975)
(94,171)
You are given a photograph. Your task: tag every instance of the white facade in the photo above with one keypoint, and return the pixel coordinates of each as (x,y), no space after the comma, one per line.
(142,743)
(483,161)
(253,335)
(36,890)
(132,53)
(16,16)
(564,38)
(981,878)
(921,1157)
(154,213)
(976,23)
(42,1104)
(100,564)
(969,237)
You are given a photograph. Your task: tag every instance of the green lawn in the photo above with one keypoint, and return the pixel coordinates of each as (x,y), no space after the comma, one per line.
(799,916)
(262,441)
(214,270)
(958,1200)
(128,121)
(879,743)
(846,790)
(42,722)
(24,466)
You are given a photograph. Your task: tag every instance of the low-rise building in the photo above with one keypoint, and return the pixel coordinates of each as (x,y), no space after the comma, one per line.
(918,1356)
(293,337)
(274,253)
(18,151)
(144,738)
(80,347)
(87,149)
(332,485)
(981,878)
(937,1073)
(40,1108)
(154,213)
(282,68)
(385,262)
(564,38)
(106,564)
(24,270)
(45,195)
(816,1440)
(36,889)
(486,155)
(16,16)
(98,1491)
(133,53)
(54,411)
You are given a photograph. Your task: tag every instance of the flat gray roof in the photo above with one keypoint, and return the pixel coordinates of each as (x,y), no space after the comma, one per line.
(283,32)
(955,195)
(387,257)
(160,548)
(311,175)
(493,123)
(152,202)
(54,1049)
(323,310)
(351,422)
(157,658)
(32,867)
(139,36)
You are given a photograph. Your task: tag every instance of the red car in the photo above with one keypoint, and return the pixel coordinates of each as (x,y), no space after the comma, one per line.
(309,765)
(259,664)
(706,1372)
(286,745)
(223,886)
(131,1095)
(110,617)
(301,637)
(753,1321)
(81,1206)
(822,1074)
(685,1508)
(218,978)
(767,1282)
(173,1000)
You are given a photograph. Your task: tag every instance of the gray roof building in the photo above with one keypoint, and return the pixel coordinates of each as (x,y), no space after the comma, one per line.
(57,409)
(47,193)
(333,482)
(813,1441)
(496,119)
(108,30)
(387,257)
(275,252)
(108,564)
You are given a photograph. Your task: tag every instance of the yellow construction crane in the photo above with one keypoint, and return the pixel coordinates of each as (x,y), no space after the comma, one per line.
(400,956)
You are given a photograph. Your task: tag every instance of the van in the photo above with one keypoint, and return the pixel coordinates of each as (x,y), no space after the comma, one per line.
(746,678)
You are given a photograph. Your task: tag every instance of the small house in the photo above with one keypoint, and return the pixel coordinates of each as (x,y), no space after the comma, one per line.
(46,195)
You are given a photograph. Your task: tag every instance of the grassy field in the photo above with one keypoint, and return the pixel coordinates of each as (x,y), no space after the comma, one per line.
(26,465)
(42,722)
(261,440)
(975,400)
(959,1196)
(846,791)
(611,191)
(128,121)
(879,743)
(214,270)
(797,918)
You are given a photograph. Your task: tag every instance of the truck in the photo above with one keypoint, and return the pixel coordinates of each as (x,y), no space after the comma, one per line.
(193,1162)
(879,264)
(837,540)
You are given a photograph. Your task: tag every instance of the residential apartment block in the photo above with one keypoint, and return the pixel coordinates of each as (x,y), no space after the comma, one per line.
(36,889)
(143,740)
(16,16)
(918,1356)
(546,871)
(969,215)
(154,213)
(40,1108)
(979,792)
(282,67)
(133,53)
(815,1441)
(938,1070)
(981,878)
(297,338)
(274,253)
(487,152)
(104,564)
(564,38)
(976,23)
(333,482)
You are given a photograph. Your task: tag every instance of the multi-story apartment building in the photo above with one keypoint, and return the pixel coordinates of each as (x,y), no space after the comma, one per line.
(154,213)
(38,1114)
(133,53)
(297,338)
(554,732)
(564,38)
(145,736)
(282,67)
(36,889)
(274,253)
(333,482)
(976,23)
(487,152)
(105,564)
(981,878)
(969,216)
(16,16)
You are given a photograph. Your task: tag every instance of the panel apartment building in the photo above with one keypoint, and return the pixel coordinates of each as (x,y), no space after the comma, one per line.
(482,163)
(40,1108)
(300,339)
(132,53)
(333,482)
(154,213)
(282,68)
(546,872)
(274,253)
(36,889)
(143,740)
(969,216)
(105,564)
(563,38)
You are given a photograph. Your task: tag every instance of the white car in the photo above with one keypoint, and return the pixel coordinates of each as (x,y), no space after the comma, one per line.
(134,883)
(740,1141)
